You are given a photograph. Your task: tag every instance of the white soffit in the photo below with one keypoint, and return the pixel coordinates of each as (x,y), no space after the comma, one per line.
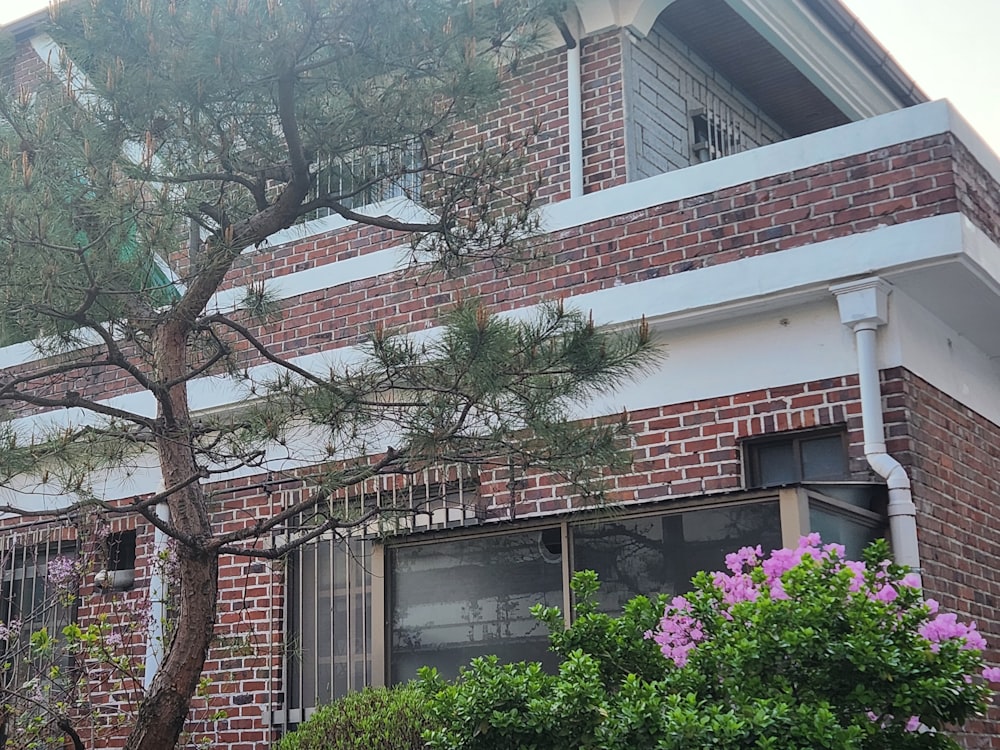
(789,27)
(797,34)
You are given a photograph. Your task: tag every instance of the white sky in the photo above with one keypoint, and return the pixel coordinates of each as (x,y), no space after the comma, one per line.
(949,47)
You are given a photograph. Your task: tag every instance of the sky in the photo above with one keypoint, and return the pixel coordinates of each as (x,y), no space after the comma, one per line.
(949,47)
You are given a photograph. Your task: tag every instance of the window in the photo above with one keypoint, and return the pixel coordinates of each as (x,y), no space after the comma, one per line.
(330,639)
(797,457)
(469,597)
(452,600)
(118,572)
(329,622)
(366,176)
(376,608)
(36,591)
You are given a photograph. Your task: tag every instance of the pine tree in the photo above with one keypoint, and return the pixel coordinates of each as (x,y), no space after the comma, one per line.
(171,140)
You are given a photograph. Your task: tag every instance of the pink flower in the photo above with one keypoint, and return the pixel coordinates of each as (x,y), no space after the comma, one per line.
(810,540)
(885,594)
(858,569)
(834,550)
(912,724)
(678,632)
(780,561)
(746,557)
(735,588)
(910,580)
(992,674)
(947,627)
(778,591)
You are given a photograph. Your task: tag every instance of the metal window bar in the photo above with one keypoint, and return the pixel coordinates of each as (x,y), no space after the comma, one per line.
(329,631)
(356,176)
(28,601)
(717,130)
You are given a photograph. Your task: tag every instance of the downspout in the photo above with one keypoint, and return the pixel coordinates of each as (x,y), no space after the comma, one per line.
(864,308)
(158,583)
(574,78)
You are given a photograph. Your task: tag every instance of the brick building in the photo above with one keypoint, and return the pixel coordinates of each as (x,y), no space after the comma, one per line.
(816,245)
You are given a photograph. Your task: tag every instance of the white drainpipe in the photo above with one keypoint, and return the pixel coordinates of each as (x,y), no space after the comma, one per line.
(574,77)
(864,308)
(157,600)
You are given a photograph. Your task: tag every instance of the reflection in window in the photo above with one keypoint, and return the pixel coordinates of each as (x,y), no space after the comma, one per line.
(660,554)
(852,530)
(463,598)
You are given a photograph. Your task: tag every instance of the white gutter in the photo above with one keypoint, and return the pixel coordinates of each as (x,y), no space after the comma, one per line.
(158,583)
(574,76)
(864,308)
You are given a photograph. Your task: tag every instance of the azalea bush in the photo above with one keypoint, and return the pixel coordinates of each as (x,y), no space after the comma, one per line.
(797,649)
(806,644)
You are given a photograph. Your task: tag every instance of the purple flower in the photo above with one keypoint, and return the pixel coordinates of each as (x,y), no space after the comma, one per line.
(885,594)
(10,630)
(63,573)
(992,674)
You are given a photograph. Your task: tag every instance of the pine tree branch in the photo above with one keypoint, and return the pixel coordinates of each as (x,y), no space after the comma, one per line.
(73,400)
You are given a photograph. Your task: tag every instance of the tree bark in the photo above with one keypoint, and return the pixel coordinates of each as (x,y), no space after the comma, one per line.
(161,717)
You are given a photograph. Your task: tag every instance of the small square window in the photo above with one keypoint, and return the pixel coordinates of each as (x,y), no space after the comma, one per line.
(797,457)
(121,550)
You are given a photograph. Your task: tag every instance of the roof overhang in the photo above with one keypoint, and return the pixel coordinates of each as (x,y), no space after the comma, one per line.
(819,39)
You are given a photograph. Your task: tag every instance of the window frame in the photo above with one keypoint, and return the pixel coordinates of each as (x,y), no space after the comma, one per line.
(793,501)
(751,455)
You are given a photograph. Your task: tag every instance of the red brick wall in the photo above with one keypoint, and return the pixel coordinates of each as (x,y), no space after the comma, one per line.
(953,457)
(693,448)
(681,450)
(28,66)
(902,183)
(603,101)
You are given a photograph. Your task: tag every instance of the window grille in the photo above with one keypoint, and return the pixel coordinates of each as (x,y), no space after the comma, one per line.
(29,600)
(328,604)
(716,131)
(366,176)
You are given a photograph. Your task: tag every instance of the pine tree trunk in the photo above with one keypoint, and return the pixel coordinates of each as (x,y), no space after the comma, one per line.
(161,717)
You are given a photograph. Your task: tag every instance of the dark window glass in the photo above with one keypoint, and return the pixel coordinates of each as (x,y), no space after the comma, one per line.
(661,554)
(462,598)
(824,458)
(121,551)
(836,526)
(776,464)
(797,457)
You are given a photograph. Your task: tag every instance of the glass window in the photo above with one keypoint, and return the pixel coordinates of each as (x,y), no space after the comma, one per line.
(851,530)
(660,554)
(463,598)
(797,457)
(329,620)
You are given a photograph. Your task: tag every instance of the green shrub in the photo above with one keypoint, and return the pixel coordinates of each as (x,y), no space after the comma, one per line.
(383,718)
(796,651)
